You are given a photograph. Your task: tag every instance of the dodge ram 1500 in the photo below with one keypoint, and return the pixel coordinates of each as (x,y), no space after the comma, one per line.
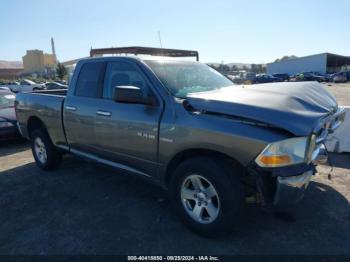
(214,145)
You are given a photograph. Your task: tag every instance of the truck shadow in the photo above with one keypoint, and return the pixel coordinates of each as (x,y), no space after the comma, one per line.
(82,208)
(320,224)
(13,146)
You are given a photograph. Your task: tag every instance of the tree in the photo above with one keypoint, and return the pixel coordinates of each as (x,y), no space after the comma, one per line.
(261,69)
(245,68)
(61,71)
(225,69)
(234,68)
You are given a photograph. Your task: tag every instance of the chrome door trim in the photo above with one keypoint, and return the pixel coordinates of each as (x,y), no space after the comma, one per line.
(103,113)
(63,147)
(71,108)
(108,162)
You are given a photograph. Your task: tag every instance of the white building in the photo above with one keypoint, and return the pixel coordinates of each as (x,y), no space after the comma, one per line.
(321,63)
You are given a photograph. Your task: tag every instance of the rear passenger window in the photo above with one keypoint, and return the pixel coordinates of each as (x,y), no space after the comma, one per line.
(90,80)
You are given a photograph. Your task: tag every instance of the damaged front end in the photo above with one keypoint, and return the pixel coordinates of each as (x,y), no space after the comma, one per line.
(285,185)
(305,112)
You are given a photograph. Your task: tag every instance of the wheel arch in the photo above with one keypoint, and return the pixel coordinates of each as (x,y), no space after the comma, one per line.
(199,152)
(35,123)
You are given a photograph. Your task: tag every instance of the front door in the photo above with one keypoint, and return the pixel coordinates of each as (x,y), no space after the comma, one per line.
(127,133)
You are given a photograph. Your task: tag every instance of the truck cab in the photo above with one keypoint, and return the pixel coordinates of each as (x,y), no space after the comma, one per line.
(101,98)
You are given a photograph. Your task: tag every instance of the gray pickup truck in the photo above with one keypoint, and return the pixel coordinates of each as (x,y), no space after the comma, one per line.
(214,145)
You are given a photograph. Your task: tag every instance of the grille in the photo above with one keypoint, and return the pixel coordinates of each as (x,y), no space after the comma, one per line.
(330,124)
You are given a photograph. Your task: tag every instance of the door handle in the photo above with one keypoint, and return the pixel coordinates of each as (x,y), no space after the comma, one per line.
(103,113)
(71,108)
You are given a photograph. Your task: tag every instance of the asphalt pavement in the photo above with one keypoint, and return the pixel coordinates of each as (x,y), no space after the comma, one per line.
(84,208)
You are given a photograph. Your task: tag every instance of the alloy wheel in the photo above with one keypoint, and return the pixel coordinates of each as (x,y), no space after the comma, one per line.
(200,199)
(40,150)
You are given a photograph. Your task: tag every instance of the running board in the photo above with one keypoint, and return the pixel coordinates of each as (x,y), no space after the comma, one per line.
(108,162)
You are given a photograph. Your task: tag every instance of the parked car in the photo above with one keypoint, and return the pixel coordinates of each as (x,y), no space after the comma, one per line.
(309,76)
(249,78)
(243,78)
(283,77)
(7,84)
(25,85)
(328,77)
(340,77)
(55,85)
(186,127)
(8,122)
(5,88)
(266,78)
(347,74)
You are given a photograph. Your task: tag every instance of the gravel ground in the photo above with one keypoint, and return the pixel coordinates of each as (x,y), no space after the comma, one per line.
(84,208)
(341,92)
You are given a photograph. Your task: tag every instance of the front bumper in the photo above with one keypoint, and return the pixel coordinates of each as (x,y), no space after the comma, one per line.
(281,186)
(290,190)
(285,186)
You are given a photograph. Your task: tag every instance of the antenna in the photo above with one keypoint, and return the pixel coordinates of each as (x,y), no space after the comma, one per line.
(161,46)
(160,43)
(160,39)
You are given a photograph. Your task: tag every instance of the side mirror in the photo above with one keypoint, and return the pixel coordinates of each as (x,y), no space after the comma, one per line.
(132,95)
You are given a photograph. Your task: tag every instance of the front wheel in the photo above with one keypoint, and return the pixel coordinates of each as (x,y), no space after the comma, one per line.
(46,155)
(207,195)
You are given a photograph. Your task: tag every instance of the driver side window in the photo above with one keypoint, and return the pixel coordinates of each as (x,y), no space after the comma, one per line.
(122,74)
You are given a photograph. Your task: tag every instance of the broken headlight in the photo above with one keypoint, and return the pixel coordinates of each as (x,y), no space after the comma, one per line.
(284,153)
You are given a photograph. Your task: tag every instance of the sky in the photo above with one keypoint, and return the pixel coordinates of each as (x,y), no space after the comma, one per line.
(253,31)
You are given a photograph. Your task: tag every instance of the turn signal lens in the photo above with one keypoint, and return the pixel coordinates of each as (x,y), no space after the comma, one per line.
(275,160)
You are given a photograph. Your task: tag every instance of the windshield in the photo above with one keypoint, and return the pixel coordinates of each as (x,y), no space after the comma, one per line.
(184,78)
(6,100)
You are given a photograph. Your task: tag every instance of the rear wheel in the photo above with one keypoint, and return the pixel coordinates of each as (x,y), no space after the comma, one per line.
(46,155)
(207,196)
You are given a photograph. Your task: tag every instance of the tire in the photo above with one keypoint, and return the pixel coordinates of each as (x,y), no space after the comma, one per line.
(46,155)
(217,214)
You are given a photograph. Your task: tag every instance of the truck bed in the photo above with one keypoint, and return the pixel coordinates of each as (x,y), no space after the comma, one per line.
(45,105)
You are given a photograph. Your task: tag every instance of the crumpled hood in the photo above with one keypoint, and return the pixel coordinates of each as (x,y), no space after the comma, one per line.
(296,107)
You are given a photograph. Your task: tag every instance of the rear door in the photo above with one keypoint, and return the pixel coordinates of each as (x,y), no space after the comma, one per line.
(127,133)
(79,112)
